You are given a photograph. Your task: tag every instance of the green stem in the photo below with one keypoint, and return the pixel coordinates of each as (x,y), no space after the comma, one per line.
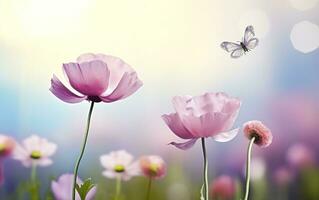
(34,184)
(33,172)
(205,169)
(82,149)
(249,151)
(149,186)
(118,187)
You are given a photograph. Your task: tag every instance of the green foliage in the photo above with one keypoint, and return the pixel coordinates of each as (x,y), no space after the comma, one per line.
(84,188)
(310,184)
(33,189)
(239,190)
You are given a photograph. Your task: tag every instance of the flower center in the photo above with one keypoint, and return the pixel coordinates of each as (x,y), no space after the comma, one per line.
(94,99)
(153,169)
(36,155)
(119,168)
(255,135)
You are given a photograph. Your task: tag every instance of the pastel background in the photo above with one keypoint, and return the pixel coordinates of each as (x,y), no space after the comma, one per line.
(174,47)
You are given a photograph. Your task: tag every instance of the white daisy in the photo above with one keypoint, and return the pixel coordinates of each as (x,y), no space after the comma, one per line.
(35,150)
(119,164)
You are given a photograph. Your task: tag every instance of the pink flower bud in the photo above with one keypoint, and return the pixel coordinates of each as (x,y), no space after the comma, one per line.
(259,131)
(283,176)
(7,145)
(153,166)
(223,187)
(300,156)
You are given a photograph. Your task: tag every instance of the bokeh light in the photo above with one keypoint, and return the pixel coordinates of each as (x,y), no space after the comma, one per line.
(305,36)
(303,4)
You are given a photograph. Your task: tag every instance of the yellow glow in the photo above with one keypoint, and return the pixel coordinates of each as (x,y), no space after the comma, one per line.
(179,40)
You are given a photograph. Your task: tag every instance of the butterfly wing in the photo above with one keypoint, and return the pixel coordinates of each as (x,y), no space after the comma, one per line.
(252,43)
(229,46)
(237,53)
(249,34)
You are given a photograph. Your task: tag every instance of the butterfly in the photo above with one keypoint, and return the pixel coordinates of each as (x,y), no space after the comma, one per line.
(248,43)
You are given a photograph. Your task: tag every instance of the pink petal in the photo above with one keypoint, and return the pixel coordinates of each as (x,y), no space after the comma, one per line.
(206,103)
(63,93)
(127,86)
(226,136)
(43,162)
(207,125)
(89,78)
(116,66)
(174,123)
(87,57)
(62,188)
(185,145)
(180,104)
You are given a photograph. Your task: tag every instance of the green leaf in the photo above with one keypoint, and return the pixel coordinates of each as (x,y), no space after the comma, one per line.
(202,193)
(84,188)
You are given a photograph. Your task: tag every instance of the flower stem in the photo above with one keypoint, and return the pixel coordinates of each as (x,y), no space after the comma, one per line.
(34,185)
(249,151)
(149,186)
(82,149)
(205,169)
(33,172)
(118,187)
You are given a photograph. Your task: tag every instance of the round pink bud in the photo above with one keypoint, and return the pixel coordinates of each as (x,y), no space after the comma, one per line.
(283,176)
(7,145)
(223,187)
(256,129)
(153,166)
(300,156)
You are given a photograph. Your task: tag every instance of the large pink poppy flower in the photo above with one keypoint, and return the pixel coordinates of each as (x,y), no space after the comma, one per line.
(97,77)
(208,115)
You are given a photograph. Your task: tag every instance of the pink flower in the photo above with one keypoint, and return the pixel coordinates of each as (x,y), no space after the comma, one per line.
(300,156)
(153,166)
(208,115)
(119,164)
(97,77)
(7,145)
(62,188)
(35,150)
(283,176)
(257,129)
(223,187)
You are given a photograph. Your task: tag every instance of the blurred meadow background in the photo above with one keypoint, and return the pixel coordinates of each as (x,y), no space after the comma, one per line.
(175,48)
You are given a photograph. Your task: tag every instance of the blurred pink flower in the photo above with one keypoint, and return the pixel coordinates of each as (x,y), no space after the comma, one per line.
(300,156)
(208,115)
(7,145)
(97,77)
(35,150)
(263,136)
(223,187)
(62,188)
(283,176)
(153,166)
(119,164)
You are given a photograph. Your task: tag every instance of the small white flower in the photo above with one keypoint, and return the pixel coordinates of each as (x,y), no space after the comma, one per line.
(119,164)
(35,150)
